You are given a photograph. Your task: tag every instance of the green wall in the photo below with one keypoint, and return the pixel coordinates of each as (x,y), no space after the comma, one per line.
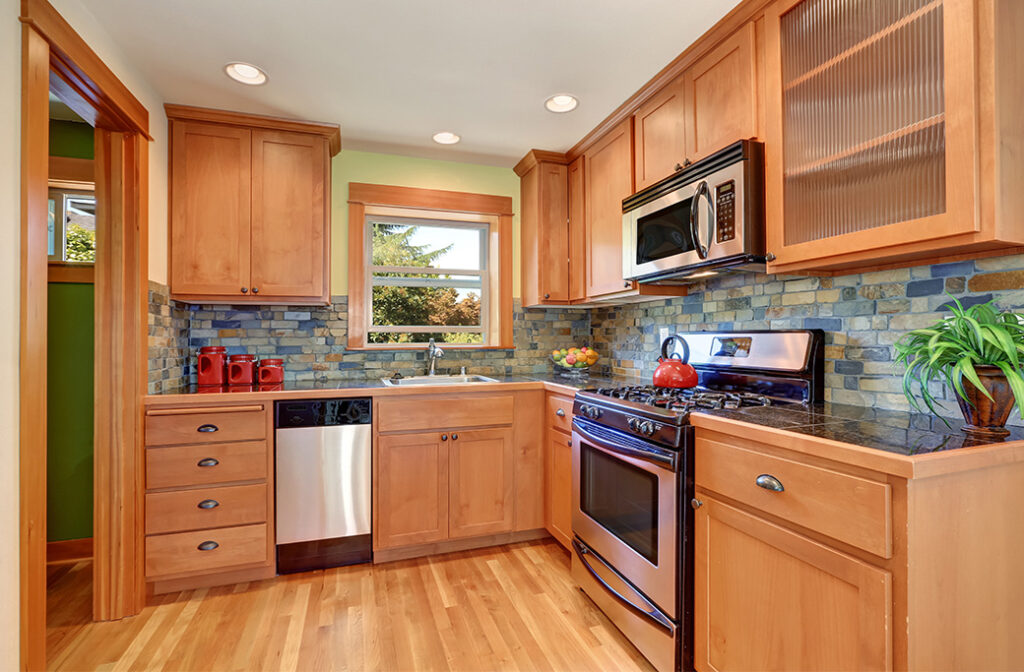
(69,416)
(69,380)
(404,171)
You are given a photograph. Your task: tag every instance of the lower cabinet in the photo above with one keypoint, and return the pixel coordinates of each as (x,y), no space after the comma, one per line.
(767,598)
(443,484)
(558,469)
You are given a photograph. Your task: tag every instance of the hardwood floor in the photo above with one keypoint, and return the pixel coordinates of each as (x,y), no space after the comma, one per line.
(503,608)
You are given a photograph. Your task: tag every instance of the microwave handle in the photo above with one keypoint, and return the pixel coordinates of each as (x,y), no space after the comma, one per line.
(702,190)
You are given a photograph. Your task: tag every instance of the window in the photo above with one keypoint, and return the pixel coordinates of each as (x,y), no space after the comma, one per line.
(71,228)
(428,264)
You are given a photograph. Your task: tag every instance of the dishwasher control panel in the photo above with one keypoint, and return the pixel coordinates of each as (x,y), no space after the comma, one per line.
(323,413)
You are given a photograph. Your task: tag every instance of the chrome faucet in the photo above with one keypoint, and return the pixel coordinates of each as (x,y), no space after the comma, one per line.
(434,353)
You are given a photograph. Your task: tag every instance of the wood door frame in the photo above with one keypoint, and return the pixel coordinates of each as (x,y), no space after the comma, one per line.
(54,55)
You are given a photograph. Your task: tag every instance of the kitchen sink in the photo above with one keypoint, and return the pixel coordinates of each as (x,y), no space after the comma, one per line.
(436,380)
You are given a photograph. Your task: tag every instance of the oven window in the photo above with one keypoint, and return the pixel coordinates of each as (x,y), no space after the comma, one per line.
(622,498)
(664,233)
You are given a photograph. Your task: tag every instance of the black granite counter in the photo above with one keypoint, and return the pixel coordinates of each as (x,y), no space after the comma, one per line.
(892,431)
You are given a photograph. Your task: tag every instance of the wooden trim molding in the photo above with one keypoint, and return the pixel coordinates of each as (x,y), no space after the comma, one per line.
(208,114)
(69,550)
(381,198)
(428,199)
(534,157)
(66,169)
(85,83)
(72,273)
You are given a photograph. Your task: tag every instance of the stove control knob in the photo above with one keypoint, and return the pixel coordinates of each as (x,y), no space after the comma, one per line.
(632,423)
(583,409)
(647,428)
(596,413)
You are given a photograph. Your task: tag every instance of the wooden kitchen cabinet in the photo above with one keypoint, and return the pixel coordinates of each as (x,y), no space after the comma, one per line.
(767,598)
(609,179)
(545,228)
(481,482)
(249,207)
(558,469)
(411,489)
(577,231)
(659,136)
(720,95)
(892,136)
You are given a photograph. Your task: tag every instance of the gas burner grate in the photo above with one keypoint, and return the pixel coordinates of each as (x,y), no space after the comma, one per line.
(673,399)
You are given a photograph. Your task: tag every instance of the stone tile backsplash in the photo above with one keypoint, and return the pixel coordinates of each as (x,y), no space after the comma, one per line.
(862,315)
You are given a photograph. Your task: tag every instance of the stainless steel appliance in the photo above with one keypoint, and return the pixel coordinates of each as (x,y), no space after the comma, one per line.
(706,219)
(323,452)
(632,475)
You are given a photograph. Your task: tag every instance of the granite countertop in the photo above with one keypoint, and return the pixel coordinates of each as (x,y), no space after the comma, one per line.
(891,431)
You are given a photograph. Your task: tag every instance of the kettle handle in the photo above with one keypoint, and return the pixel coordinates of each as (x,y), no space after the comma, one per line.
(682,341)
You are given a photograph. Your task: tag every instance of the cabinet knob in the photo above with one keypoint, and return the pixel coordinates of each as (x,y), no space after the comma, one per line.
(687,162)
(208,462)
(245,290)
(547,296)
(444,437)
(455,437)
(696,503)
(560,412)
(769,482)
(209,504)
(678,167)
(568,442)
(207,545)
(255,290)
(770,256)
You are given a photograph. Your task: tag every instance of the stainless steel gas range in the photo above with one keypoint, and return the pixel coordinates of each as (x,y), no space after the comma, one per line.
(632,479)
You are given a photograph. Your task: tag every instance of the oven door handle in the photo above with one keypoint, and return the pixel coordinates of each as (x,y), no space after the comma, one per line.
(663,461)
(640,604)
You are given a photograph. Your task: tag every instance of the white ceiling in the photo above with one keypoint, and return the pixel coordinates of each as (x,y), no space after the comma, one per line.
(394,72)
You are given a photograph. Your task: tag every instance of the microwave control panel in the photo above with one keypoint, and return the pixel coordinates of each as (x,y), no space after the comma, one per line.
(725,211)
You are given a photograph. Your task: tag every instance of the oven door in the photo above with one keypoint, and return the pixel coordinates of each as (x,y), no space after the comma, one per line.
(626,508)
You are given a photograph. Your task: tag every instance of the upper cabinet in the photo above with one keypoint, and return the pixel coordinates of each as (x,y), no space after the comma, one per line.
(545,228)
(608,176)
(658,136)
(249,207)
(891,132)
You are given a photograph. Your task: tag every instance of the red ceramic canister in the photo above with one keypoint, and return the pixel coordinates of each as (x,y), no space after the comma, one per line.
(242,370)
(271,371)
(212,367)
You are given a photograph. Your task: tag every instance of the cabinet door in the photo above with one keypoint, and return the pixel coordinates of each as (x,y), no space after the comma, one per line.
(872,127)
(289,215)
(210,206)
(609,179)
(720,93)
(558,469)
(577,232)
(658,136)
(411,490)
(481,478)
(766,598)
(553,251)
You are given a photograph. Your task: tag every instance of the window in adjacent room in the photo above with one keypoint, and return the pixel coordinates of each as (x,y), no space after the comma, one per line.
(71,228)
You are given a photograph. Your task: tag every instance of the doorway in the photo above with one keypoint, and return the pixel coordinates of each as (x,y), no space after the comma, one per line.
(55,58)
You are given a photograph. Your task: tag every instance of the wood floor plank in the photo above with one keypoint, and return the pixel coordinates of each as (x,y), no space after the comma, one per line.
(505,608)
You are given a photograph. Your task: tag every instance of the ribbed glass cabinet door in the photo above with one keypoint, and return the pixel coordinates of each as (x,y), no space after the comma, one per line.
(865,93)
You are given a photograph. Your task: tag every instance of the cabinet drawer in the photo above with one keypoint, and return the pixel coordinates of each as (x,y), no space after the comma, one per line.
(560,413)
(413,413)
(168,554)
(179,466)
(168,427)
(849,508)
(180,510)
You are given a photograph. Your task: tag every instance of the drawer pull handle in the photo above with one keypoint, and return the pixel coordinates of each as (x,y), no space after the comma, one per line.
(769,482)
(560,412)
(209,504)
(208,462)
(208,428)
(207,545)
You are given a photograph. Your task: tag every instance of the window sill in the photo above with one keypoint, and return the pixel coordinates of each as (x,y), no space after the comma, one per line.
(82,272)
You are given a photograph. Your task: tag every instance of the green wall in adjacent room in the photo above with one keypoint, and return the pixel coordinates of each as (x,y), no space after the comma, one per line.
(69,380)
(69,416)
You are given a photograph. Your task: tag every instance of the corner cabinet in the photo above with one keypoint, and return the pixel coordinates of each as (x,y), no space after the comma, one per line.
(249,207)
(893,135)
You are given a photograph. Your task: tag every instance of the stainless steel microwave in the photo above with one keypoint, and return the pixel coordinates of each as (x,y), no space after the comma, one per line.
(704,220)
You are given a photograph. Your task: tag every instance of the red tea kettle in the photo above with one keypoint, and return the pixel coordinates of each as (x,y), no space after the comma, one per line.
(673,370)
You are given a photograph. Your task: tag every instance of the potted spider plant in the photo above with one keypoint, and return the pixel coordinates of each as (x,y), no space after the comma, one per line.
(977,352)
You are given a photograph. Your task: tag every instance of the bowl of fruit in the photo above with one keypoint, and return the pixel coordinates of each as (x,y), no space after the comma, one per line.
(574,361)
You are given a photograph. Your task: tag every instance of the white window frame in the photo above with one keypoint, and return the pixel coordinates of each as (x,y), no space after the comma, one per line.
(452,220)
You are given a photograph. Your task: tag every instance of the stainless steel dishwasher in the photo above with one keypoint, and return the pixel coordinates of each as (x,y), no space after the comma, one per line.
(323,483)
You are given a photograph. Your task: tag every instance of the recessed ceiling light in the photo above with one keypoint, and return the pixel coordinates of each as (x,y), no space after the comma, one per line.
(446,138)
(245,73)
(561,102)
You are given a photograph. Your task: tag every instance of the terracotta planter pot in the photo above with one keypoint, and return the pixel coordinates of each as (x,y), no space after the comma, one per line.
(986,416)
